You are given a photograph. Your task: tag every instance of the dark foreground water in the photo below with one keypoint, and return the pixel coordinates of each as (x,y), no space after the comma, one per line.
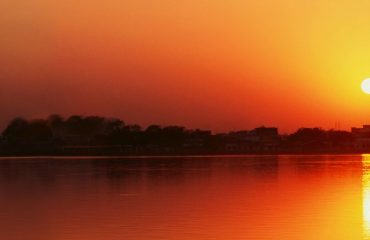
(249,197)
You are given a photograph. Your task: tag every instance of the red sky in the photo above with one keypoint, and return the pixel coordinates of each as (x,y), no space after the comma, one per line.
(209,64)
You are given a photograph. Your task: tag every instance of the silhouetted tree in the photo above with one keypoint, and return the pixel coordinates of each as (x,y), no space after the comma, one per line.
(114,125)
(74,124)
(153,135)
(55,121)
(15,130)
(38,131)
(22,131)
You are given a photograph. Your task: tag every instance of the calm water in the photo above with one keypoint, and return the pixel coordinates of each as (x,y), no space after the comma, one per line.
(253,197)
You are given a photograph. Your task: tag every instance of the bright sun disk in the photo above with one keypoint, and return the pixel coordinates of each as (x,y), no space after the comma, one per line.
(365,86)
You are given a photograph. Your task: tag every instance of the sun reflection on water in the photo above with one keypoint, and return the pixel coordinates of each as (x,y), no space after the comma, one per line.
(366,194)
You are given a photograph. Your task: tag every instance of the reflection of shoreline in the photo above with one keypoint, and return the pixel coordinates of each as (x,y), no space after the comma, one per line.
(50,169)
(259,197)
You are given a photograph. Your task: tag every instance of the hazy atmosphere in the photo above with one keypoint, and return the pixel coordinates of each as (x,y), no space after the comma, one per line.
(207,64)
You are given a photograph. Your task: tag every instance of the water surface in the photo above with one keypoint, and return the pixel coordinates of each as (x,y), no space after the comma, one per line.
(185,198)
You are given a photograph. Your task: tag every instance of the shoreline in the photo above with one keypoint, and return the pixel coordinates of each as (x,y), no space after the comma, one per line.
(208,155)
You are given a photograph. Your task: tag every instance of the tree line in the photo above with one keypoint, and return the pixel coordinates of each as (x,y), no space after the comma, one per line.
(56,131)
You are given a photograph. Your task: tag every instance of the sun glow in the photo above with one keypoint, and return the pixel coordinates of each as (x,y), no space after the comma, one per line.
(365,86)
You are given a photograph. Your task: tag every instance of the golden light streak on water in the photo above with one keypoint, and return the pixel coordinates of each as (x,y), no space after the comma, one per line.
(366,194)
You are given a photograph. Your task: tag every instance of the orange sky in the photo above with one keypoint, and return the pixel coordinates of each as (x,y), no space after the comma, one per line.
(213,64)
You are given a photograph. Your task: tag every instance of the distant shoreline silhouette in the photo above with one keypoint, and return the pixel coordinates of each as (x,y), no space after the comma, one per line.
(94,135)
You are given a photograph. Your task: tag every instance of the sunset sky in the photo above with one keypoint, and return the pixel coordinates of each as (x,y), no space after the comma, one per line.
(215,64)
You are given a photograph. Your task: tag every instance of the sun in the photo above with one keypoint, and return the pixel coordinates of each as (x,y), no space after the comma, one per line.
(365,86)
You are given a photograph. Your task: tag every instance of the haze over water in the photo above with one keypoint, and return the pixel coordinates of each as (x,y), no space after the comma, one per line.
(240,197)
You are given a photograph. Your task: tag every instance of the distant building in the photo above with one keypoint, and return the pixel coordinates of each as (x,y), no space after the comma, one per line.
(256,140)
(362,137)
(363,132)
(266,131)
(268,138)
